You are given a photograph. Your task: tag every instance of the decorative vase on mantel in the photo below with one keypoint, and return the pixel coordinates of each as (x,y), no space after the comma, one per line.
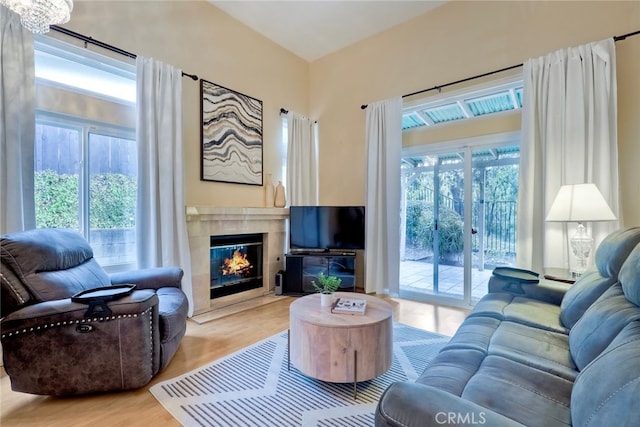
(280,199)
(268,192)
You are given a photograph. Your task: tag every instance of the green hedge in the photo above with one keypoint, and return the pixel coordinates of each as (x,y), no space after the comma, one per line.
(112,204)
(420,228)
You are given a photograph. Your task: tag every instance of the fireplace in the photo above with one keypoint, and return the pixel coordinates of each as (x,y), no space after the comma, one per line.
(236,263)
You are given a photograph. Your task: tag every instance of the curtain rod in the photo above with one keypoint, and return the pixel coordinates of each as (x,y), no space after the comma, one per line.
(439,87)
(285,111)
(103,45)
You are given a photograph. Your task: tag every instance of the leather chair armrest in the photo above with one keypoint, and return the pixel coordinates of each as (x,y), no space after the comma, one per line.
(50,313)
(410,404)
(150,278)
(51,348)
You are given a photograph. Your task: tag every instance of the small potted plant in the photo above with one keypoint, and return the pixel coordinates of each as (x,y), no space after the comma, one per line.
(328,285)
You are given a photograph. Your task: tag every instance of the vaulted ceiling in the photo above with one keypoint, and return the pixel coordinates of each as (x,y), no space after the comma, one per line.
(313,29)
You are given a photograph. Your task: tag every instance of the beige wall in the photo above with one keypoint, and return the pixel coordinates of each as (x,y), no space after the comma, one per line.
(200,39)
(455,41)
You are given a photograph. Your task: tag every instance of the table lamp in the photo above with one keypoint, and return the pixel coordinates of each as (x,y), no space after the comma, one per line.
(580,203)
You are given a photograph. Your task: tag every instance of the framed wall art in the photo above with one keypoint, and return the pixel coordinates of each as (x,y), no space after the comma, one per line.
(231,149)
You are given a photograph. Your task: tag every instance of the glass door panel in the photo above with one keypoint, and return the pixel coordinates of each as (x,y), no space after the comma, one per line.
(448,251)
(433,227)
(495,195)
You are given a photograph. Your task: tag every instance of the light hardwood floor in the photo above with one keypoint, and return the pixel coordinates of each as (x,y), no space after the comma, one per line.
(202,343)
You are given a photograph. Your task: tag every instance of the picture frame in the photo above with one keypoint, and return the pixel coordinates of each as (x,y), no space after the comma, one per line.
(231,136)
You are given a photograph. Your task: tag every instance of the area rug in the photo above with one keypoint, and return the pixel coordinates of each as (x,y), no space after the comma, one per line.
(253,387)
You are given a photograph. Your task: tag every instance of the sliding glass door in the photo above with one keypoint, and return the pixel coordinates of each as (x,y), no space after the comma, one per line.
(458,221)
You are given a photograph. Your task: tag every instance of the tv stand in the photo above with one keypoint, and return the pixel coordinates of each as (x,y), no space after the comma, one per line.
(304,267)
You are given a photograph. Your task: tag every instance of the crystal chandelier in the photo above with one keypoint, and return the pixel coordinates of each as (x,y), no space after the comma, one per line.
(37,15)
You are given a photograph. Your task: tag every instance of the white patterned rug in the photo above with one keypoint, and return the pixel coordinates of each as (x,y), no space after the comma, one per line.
(253,387)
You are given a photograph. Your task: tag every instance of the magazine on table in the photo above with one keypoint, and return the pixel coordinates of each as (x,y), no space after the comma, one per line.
(349,306)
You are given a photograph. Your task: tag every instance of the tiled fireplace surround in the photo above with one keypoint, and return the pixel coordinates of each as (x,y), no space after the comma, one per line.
(204,222)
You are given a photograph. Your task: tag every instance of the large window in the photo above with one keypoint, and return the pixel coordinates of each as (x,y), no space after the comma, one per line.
(85,149)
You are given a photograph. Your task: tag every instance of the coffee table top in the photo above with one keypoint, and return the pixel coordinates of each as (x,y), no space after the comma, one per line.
(308,309)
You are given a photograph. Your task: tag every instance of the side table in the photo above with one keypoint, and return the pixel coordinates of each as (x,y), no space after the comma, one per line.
(341,348)
(560,275)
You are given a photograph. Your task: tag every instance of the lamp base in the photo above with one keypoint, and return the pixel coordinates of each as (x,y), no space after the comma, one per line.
(581,244)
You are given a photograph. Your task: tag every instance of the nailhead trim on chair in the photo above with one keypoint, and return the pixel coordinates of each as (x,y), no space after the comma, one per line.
(73,322)
(13,288)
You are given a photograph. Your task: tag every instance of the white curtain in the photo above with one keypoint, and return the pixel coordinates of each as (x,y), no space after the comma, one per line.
(568,137)
(17,124)
(384,145)
(302,161)
(161,226)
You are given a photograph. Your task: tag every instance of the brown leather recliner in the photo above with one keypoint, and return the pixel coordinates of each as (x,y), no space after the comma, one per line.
(54,346)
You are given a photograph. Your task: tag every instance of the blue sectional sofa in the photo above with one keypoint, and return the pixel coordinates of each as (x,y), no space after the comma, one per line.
(544,354)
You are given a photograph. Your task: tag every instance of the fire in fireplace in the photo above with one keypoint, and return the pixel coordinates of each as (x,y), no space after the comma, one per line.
(236,263)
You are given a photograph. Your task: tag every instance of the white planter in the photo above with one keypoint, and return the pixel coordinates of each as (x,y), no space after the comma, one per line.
(326,300)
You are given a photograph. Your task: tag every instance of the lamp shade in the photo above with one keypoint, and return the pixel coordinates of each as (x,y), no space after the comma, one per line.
(580,203)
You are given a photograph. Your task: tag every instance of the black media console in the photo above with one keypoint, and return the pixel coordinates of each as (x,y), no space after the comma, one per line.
(304,267)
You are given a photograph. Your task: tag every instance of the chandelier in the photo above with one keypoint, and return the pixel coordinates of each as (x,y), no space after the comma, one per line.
(37,15)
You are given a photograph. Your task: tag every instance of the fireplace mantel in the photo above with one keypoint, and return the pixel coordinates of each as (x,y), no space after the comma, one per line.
(206,221)
(211,213)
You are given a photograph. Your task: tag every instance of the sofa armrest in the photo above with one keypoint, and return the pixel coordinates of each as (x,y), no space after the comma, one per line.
(406,404)
(545,290)
(150,278)
(550,291)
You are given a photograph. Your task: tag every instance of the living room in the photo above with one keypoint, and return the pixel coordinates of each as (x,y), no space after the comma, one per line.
(454,41)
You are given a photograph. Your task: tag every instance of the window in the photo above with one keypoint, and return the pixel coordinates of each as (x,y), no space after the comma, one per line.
(85,149)
(501,97)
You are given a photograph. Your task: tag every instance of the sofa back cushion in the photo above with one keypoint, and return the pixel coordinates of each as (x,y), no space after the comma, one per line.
(606,392)
(51,263)
(630,276)
(600,324)
(609,258)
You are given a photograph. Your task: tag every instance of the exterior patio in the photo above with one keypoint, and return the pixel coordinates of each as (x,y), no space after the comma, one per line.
(417,276)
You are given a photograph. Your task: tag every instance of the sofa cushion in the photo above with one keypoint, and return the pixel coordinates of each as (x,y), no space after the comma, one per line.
(35,251)
(52,263)
(538,348)
(542,349)
(606,391)
(451,369)
(524,394)
(630,276)
(610,256)
(600,324)
(527,311)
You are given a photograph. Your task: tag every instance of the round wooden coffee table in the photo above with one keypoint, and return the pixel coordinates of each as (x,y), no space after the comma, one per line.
(341,348)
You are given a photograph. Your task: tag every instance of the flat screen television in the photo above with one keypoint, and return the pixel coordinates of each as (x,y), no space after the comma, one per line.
(316,228)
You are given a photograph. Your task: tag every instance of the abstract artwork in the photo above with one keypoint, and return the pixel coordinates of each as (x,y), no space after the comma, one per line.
(231,136)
